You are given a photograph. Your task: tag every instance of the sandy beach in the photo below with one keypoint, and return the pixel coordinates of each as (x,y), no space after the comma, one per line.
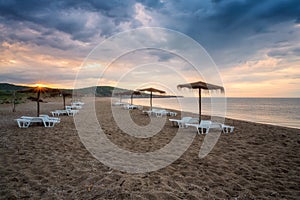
(257,161)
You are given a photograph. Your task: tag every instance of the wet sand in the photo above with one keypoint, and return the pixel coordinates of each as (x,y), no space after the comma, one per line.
(257,161)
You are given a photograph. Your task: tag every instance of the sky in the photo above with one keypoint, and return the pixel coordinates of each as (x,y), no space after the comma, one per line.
(254,44)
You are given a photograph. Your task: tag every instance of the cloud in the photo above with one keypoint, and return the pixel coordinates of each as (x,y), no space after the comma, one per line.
(268,77)
(70,17)
(222,26)
(161,55)
(242,36)
(215,24)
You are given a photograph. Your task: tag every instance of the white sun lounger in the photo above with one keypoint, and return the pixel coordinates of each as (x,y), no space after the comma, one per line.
(204,125)
(47,117)
(64,112)
(130,107)
(159,113)
(227,128)
(49,122)
(72,112)
(173,114)
(207,124)
(25,121)
(78,103)
(59,112)
(181,123)
(118,104)
(155,112)
(73,107)
(150,112)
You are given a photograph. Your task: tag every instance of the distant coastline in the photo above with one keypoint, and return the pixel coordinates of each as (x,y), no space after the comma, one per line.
(7,92)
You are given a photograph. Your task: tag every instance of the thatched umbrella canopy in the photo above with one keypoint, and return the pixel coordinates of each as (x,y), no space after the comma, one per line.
(38,90)
(151,90)
(201,86)
(131,93)
(134,93)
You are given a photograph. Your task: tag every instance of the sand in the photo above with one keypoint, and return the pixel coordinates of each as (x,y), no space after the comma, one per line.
(257,161)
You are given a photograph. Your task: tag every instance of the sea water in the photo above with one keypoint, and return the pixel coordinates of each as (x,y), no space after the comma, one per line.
(277,111)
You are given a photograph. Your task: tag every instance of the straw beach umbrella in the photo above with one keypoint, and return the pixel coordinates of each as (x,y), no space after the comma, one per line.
(131,93)
(201,86)
(151,90)
(38,90)
(134,93)
(65,94)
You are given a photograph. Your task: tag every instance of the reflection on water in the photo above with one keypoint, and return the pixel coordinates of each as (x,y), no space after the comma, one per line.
(278,111)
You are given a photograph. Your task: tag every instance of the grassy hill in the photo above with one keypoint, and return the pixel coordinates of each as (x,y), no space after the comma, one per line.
(11,87)
(103,91)
(99,91)
(7,90)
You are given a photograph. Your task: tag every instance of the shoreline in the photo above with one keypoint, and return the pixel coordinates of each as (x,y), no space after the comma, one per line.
(290,124)
(55,100)
(262,123)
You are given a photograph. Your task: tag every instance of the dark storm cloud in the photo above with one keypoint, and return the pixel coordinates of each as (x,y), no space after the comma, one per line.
(218,25)
(230,30)
(254,16)
(49,11)
(213,23)
(279,53)
(81,20)
(151,4)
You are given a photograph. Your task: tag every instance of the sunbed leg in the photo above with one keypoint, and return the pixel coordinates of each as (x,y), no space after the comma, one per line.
(199,131)
(23,123)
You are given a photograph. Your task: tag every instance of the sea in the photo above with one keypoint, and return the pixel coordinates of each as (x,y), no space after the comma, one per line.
(277,111)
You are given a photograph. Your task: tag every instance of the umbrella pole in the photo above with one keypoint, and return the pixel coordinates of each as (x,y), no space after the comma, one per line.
(151,100)
(64,99)
(199,105)
(131,99)
(38,103)
(14,101)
